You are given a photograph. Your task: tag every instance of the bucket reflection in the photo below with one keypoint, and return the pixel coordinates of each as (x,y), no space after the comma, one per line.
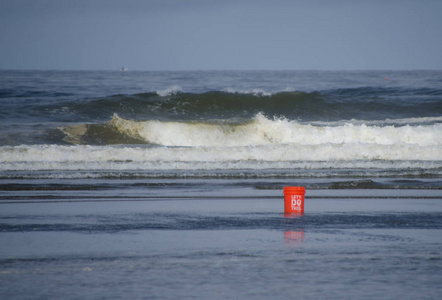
(294,237)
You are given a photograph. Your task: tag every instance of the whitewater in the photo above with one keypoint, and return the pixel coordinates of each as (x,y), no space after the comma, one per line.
(292,121)
(214,145)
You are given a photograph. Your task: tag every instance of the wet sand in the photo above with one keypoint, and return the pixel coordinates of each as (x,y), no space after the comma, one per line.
(350,244)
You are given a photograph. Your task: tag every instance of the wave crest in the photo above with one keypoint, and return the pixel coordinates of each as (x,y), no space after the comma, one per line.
(258,131)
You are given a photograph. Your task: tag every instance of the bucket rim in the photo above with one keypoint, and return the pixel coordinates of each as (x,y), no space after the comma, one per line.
(296,189)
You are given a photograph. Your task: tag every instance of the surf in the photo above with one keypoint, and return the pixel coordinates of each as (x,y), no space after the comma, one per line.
(258,131)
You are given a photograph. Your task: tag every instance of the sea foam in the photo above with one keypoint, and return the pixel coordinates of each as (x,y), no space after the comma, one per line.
(264,131)
(260,143)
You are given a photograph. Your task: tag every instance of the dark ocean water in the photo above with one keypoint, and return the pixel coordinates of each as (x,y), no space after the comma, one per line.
(206,123)
(158,185)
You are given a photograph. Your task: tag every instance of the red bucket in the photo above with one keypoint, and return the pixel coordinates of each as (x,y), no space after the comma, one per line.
(294,200)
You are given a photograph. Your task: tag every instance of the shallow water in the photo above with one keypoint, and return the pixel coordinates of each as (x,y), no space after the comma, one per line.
(349,244)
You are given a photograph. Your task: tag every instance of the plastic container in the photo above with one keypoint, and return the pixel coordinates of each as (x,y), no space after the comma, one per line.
(294,200)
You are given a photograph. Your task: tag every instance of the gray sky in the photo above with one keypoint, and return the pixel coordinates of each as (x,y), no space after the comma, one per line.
(220,34)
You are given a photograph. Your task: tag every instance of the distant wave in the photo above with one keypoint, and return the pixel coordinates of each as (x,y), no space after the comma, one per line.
(172,104)
(173,90)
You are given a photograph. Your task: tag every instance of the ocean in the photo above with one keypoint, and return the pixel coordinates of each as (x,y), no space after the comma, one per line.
(158,185)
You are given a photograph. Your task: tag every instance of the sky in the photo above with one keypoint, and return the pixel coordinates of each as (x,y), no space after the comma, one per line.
(221,34)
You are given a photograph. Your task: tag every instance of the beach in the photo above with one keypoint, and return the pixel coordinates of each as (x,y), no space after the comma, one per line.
(161,185)
(221,244)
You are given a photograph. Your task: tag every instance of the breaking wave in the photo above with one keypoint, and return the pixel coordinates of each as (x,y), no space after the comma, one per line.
(258,131)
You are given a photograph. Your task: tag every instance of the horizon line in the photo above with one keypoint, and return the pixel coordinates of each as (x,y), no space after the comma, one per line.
(216,70)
